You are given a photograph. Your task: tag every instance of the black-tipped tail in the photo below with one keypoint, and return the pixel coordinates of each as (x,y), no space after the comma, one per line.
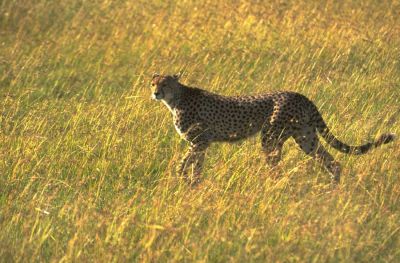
(356,150)
(385,138)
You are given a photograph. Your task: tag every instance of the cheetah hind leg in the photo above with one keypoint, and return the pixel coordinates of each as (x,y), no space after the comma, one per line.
(273,152)
(272,147)
(309,143)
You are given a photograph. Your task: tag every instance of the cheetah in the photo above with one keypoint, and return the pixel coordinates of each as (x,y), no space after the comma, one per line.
(201,118)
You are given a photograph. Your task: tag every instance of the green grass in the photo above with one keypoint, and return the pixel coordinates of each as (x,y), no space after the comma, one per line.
(87,160)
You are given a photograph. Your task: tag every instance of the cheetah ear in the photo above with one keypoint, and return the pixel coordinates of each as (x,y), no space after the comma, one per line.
(155,75)
(176,76)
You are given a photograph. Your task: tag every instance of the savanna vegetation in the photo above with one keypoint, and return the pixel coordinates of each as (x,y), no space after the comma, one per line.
(87,159)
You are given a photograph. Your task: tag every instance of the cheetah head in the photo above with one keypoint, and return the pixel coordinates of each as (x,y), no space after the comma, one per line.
(164,87)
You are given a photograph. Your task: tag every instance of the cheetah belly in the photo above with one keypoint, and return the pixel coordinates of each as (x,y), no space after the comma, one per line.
(235,127)
(237,132)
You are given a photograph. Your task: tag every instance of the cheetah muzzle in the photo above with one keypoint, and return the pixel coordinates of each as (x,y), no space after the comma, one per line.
(201,117)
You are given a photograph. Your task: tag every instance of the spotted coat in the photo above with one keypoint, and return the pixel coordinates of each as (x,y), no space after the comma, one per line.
(202,117)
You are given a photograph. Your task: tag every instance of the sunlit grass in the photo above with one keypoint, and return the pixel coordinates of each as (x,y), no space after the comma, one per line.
(87,160)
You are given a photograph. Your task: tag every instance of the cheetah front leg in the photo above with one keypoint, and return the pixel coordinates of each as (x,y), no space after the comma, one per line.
(192,163)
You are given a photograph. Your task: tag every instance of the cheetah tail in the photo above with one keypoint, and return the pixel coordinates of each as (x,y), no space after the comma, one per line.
(356,150)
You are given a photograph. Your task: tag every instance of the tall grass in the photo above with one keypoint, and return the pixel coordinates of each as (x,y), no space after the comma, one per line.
(87,160)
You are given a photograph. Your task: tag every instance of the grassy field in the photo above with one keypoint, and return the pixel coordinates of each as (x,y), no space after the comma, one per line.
(87,159)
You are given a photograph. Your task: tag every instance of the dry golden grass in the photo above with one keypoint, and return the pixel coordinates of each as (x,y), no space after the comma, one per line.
(87,159)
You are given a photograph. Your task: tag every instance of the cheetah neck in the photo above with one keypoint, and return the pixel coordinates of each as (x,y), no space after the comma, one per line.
(170,106)
(172,103)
